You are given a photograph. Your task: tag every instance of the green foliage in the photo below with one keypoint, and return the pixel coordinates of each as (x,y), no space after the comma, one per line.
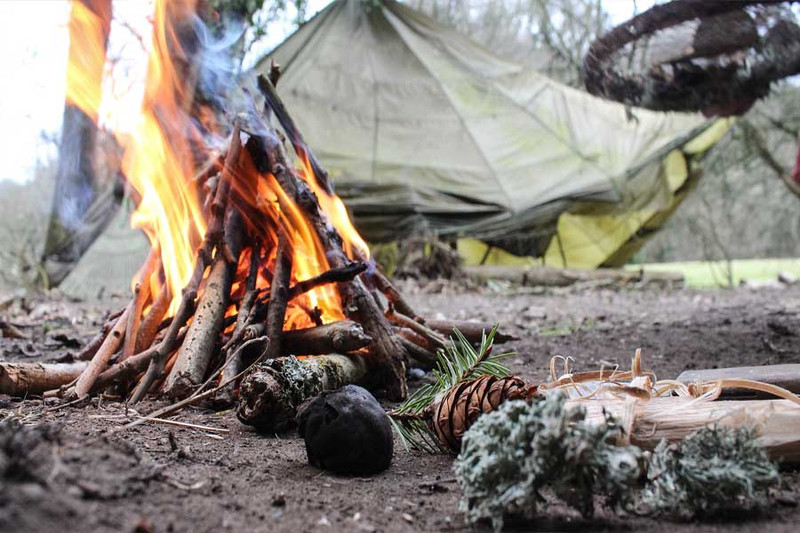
(712,470)
(458,362)
(508,457)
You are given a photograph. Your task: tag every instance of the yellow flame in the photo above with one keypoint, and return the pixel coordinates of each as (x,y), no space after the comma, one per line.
(335,210)
(88,33)
(158,162)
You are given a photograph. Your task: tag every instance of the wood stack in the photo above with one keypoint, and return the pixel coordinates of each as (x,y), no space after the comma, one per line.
(233,311)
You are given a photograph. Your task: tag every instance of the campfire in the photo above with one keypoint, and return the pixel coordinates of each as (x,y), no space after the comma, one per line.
(253,257)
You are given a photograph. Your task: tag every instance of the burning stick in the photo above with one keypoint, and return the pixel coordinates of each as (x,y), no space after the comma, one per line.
(336,337)
(279,297)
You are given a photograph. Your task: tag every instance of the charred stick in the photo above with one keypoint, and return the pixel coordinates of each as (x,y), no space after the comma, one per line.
(233,362)
(275,103)
(271,393)
(472,331)
(98,363)
(152,320)
(22,379)
(279,296)
(402,320)
(336,337)
(422,355)
(388,353)
(334,275)
(274,72)
(382,283)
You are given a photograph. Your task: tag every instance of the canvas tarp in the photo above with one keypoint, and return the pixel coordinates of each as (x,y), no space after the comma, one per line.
(422,129)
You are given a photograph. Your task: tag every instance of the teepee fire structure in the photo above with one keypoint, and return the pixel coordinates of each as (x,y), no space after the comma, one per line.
(253,256)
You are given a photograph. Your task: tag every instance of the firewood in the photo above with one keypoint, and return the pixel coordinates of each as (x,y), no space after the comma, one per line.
(124,370)
(422,355)
(471,330)
(22,379)
(201,338)
(336,337)
(334,275)
(777,422)
(233,361)
(279,296)
(98,363)
(433,338)
(271,393)
(388,354)
(152,320)
(141,295)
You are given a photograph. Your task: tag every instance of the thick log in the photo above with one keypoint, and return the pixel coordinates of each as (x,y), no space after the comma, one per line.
(777,422)
(271,393)
(336,337)
(22,379)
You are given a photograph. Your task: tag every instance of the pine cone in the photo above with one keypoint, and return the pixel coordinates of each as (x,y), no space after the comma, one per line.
(452,416)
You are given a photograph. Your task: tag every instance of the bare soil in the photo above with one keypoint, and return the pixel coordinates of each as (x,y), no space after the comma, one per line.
(64,473)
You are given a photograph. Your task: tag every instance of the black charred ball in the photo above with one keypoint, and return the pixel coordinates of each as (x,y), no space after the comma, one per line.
(347,432)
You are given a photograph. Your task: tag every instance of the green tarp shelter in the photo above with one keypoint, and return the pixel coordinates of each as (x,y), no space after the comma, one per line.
(423,129)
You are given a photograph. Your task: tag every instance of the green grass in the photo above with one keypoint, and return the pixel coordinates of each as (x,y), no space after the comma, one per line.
(704,274)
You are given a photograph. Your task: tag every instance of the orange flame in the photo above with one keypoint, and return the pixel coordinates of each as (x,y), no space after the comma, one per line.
(335,210)
(88,32)
(159,164)
(158,161)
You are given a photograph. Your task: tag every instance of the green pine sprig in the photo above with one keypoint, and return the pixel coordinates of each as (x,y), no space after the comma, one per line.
(459,361)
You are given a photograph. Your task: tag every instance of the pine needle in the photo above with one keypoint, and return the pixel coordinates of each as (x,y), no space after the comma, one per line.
(456,363)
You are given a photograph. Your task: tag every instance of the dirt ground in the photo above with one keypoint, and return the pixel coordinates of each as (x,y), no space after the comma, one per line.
(70,476)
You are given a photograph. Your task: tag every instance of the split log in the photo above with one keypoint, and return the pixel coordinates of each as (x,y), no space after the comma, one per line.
(777,422)
(336,337)
(785,376)
(271,393)
(22,379)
